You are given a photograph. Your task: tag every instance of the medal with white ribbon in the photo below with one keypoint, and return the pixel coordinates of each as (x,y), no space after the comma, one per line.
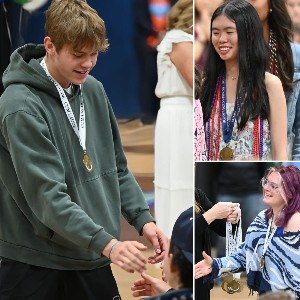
(231,284)
(81,130)
(269,235)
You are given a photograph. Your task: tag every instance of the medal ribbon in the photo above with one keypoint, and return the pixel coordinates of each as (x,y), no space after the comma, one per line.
(233,241)
(81,132)
(227,129)
(273,45)
(269,236)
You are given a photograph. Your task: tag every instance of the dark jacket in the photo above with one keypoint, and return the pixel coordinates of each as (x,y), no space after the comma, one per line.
(203,239)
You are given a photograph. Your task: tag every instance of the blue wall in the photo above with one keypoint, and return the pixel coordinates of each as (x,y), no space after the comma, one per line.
(117,68)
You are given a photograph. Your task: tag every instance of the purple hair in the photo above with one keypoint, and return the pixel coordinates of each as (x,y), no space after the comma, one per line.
(290,176)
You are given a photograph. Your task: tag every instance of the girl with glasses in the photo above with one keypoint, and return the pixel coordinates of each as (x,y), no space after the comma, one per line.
(270,253)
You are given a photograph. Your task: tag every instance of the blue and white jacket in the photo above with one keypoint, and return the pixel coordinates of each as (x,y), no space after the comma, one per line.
(282,259)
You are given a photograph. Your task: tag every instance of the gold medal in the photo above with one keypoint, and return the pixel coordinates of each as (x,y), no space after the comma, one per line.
(228,288)
(241,288)
(262,262)
(224,286)
(226,154)
(231,285)
(87,162)
(234,286)
(227,278)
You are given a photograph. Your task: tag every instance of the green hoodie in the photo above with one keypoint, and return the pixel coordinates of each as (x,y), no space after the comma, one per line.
(53,213)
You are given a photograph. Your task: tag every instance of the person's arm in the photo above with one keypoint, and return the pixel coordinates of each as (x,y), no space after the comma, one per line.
(278,117)
(204,205)
(182,57)
(219,227)
(234,263)
(38,169)
(214,216)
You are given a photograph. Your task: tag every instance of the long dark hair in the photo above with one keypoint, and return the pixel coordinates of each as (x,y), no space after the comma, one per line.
(253,62)
(197,83)
(281,24)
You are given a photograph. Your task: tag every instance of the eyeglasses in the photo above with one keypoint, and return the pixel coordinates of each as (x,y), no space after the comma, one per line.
(272,185)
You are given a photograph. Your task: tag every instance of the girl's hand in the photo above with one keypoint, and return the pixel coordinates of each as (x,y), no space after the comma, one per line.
(203,267)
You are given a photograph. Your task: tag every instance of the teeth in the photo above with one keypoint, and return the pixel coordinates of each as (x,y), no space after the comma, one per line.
(224,49)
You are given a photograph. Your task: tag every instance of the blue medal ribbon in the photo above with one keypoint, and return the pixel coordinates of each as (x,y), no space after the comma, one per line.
(227,128)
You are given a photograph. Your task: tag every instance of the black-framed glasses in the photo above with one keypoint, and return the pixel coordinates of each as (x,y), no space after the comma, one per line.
(273,186)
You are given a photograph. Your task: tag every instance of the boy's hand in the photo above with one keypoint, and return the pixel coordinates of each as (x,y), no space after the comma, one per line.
(127,255)
(158,240)
(149,286)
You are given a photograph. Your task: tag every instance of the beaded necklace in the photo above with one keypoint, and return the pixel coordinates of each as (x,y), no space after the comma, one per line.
(214,140)
(273,45)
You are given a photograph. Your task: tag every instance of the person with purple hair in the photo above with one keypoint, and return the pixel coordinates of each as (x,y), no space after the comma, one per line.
(270,253)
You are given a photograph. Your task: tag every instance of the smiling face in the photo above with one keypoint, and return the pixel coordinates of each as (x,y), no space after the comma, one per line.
(69,66)
(225,38)
(272,191)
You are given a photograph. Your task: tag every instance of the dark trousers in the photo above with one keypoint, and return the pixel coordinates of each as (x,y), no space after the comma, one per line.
(19,281)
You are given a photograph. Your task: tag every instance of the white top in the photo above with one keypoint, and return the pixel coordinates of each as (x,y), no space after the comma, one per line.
(170,81)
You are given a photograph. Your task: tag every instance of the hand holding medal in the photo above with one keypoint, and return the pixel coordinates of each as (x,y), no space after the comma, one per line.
(231,283)
(235,216)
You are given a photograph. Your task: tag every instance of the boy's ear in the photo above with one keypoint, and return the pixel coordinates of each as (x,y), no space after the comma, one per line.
(49,46)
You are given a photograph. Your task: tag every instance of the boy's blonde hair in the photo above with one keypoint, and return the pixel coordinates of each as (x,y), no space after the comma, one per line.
(75,23)
(181,16)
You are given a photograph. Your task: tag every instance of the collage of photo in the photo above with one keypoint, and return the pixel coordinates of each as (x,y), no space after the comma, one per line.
(150,149)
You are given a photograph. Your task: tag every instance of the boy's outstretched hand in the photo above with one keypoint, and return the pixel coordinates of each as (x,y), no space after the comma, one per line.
(149,286)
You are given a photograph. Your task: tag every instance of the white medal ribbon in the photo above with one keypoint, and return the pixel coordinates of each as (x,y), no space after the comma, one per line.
(81,132)
(233,241)
(269,235)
